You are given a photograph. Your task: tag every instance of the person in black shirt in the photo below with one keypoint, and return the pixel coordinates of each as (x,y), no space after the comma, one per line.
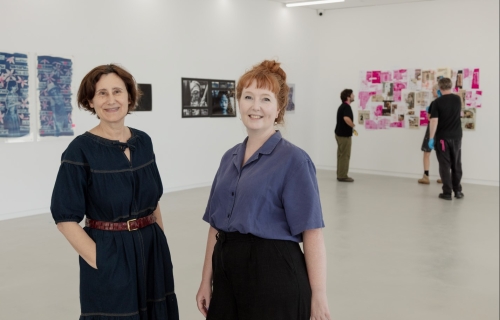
(343,135)
(446,130)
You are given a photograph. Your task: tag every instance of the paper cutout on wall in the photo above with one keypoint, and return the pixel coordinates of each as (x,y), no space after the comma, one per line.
(15,116)
(54,85)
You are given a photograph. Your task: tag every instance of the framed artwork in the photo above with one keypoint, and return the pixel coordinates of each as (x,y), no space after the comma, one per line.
(146,102)
(208,98)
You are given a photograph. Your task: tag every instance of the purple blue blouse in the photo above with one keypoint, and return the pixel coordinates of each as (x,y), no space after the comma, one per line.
(274,195)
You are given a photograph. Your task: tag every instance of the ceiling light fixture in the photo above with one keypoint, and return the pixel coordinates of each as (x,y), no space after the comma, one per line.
(311,3)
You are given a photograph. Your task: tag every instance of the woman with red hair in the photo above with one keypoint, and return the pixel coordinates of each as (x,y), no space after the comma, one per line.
(264,201)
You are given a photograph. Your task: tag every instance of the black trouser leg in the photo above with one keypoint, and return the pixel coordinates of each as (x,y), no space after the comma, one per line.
(456,164)
(259,279)
(443,155)
(223,303)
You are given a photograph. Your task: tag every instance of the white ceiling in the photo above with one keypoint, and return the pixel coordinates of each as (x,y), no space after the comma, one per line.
(350,3)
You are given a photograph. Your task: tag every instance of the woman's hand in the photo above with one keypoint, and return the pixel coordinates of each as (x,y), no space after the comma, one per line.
(319,307)
(204,294)
(203,298)
(80,241)
(315,254)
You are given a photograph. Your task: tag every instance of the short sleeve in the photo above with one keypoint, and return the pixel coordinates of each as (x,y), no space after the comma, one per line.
(157,178)
(69,194)
(348,112)
(435,110)
(206,216)
(301,199)
(429,111)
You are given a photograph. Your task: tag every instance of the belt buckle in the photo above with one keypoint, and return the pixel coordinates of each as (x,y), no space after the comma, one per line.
(128,225)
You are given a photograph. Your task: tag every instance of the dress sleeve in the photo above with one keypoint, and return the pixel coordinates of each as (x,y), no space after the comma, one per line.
(70,192)
(158,178)
(301,199)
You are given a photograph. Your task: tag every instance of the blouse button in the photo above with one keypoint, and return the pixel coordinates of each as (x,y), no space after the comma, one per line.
(232,193)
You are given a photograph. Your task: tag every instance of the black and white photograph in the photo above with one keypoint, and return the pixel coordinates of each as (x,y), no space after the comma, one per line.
(414,122)
(195,94)
(388,91)
(362,116)
(291,98)
(469,119)
(386,111)
(378,98)
(394,108)
(208,98)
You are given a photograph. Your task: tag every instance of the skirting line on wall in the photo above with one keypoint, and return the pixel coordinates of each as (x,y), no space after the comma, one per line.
(22,214)
(187,187)
(409,175)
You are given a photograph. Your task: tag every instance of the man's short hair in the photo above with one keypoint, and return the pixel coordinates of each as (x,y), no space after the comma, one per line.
(445,84)
(345,94)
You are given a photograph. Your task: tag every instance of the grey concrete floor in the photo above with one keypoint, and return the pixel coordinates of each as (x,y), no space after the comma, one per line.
(395,252)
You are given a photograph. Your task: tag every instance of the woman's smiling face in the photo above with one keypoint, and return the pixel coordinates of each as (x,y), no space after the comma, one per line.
(111,100)
(258,109)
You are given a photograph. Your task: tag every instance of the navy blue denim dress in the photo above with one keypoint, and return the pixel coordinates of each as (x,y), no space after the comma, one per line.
(134,278)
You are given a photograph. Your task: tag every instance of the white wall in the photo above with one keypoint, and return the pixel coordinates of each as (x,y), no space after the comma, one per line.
(159,42)
(453,33)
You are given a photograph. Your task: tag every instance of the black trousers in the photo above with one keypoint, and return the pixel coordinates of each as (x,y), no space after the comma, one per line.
(449,155)
(258,279)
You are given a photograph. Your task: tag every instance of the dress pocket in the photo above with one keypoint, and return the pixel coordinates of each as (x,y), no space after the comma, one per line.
(97,258)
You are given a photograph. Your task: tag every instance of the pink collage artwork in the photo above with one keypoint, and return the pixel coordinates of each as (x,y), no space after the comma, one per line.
(399,99)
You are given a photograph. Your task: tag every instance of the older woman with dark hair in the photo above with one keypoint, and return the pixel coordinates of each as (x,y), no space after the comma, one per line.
(109,176)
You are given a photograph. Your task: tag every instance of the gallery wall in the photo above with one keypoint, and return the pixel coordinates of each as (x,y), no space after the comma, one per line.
(159,42)
(162,41)
(432,34)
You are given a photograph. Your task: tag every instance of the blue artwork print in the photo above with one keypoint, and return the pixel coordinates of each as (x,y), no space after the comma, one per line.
(14,106)
(54,84)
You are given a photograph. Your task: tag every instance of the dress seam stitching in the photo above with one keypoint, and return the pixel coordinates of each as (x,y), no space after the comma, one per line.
(124,170)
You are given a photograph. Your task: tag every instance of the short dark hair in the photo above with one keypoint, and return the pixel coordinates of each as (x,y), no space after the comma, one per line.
(445,84)
(86,92)
(345,94)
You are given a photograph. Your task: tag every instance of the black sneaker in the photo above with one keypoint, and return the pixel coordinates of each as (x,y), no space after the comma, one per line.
(445,196)
(459,195)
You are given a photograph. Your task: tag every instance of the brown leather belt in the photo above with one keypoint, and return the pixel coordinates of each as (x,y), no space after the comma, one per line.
(130,225)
